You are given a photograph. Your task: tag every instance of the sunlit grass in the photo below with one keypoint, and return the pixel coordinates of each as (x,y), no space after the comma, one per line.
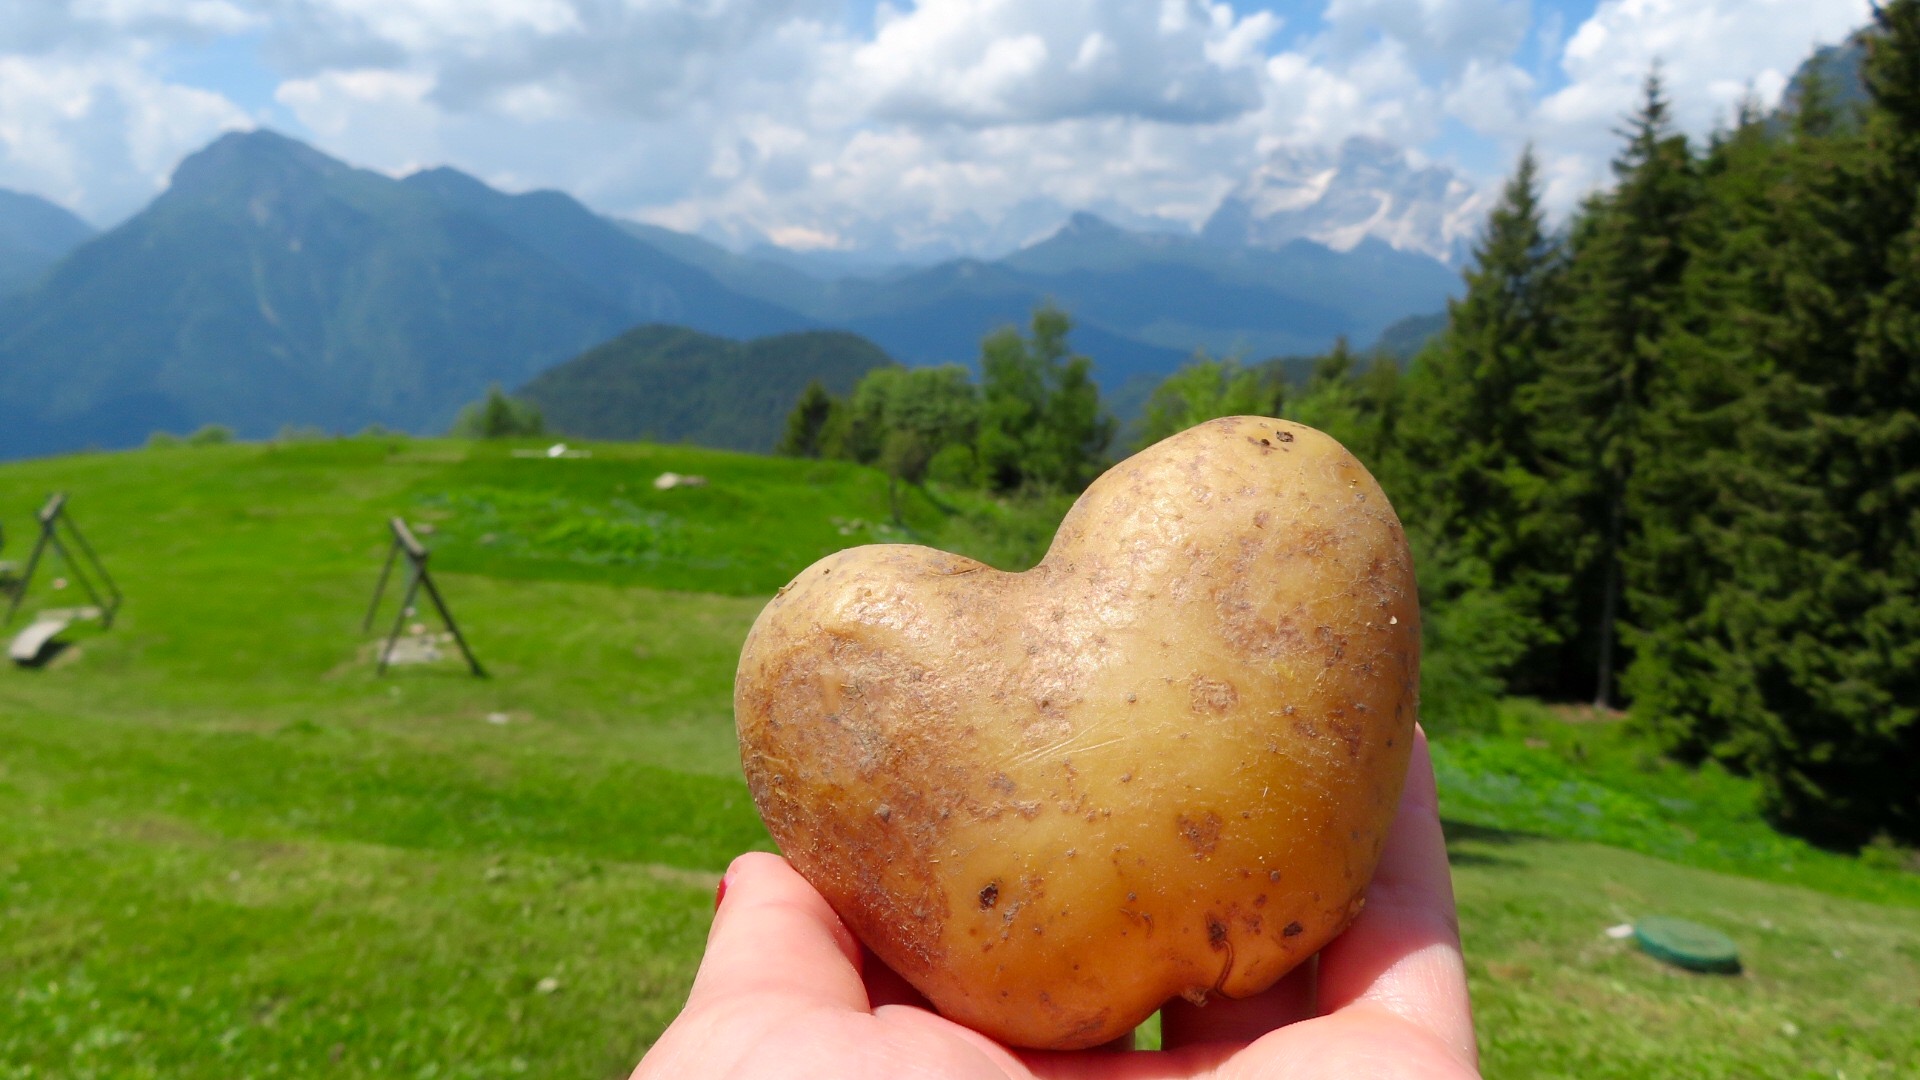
(228,849)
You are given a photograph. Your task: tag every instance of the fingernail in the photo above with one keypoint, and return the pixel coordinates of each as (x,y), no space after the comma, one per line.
(720,894)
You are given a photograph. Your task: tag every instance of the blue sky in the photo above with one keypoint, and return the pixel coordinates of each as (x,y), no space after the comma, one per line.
(963,124)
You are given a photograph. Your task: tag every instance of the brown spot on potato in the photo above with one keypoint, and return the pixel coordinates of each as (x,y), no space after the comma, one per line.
(1219,941)
(1292,929)
(1211,695)
(1201,834)
(990,895)
(1350,732)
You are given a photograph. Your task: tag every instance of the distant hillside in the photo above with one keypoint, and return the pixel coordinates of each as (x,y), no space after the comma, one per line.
(1407,337)
(271,285)
(671,384)
(34,234)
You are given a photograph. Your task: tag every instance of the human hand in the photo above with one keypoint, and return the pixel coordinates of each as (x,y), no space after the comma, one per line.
(786,991)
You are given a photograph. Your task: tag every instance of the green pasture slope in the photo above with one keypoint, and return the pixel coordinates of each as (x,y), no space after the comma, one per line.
(228,850)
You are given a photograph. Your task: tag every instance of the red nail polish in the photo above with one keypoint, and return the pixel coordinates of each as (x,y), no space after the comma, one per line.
(719,894)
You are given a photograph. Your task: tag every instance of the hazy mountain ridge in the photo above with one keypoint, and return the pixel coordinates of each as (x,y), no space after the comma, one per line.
(272,285)
(34,234)
(1142,301)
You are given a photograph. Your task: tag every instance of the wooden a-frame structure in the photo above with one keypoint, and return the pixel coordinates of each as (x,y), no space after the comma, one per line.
(405,543)
(85,569)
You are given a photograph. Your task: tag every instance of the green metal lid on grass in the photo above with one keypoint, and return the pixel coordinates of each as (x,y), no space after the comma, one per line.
(1687,944)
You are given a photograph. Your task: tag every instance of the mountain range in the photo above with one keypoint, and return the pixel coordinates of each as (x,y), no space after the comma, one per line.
(1366,191)
(272,285)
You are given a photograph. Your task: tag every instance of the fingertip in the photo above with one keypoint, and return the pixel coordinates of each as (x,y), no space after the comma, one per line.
(1421,791)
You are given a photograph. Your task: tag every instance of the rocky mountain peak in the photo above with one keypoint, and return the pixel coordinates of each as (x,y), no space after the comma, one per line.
(1365,188)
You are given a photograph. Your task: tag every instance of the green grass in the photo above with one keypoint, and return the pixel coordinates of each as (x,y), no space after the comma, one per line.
(1586,780)
(1831,986)
(227,849)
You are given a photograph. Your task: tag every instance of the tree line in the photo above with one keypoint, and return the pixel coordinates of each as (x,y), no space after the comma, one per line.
(1665,456)
(1034,420)
(1669,455)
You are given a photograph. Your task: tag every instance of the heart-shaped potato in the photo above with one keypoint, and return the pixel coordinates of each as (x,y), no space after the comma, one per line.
(1161,762)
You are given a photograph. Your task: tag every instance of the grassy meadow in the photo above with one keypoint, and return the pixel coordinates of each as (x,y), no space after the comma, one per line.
(228,849)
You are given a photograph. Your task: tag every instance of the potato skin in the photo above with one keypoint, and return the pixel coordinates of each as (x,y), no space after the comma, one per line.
(1161,762)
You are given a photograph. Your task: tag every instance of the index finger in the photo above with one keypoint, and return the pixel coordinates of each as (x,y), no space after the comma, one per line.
(1402,954)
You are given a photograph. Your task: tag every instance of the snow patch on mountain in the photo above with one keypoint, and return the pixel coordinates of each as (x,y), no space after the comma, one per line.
(1365,188)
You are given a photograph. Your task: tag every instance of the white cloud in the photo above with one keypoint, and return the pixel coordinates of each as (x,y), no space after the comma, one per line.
(1711,52)
(1383,96)
(951,124)
(1492,98)
(168,16)
(384,115)
(1448,33)
(450,25)
(99,134)
(633,58)
(986,62)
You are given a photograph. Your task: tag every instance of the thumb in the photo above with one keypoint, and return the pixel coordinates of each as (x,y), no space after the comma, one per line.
(775,935)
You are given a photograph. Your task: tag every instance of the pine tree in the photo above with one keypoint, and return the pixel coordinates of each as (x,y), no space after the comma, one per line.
(1626,258)
(1467,471)
(498,416)
(1774,573)
(1709,447)
(807,423)
(1838,633)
